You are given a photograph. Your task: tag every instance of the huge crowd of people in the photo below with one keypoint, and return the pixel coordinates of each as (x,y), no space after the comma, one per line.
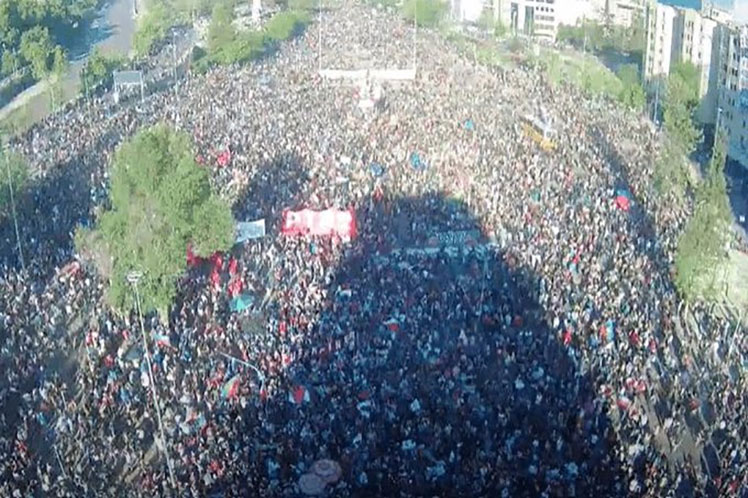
(549,356)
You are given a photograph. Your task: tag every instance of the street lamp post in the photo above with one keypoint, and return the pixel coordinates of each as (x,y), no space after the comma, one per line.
(133,278)
(716,129)
(13,207)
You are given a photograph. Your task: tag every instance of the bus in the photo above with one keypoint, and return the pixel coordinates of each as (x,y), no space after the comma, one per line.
(540,132)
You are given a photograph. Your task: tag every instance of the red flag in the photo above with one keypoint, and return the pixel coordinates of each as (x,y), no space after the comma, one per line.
(623,203)
(217,261)
(224,158)
(653,346)
(634,338)
(325,223)
(235,287)
(233,263)
(567,337)
(623,403)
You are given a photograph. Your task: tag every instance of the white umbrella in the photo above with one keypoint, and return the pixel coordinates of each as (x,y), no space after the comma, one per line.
(311,484)
(328,470)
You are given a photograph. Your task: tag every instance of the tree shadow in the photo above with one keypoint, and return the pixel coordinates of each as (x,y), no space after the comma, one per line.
(431,370)
(670,332)
(738,195)
(280,182)
(48,211)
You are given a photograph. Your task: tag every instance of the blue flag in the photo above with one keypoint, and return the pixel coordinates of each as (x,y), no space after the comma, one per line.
(376,169)
(416,162)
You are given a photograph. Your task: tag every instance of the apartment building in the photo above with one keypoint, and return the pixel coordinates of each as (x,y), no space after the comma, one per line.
(733,93)
(624,12)
(676,34)
(536,18)
(658,55)
(693,36)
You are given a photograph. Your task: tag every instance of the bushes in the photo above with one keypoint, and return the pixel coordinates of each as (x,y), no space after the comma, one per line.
(226,46)
(285,25)
(427,13)
(98,70)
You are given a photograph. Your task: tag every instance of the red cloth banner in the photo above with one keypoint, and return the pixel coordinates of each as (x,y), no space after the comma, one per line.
(328,222)
(224,158)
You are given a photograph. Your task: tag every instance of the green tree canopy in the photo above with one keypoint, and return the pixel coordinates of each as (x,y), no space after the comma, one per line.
(221,32)
(37,48)
(161,203)
(98,70)
(681,100)
(632,93)
(42,25)
(427,13)
(154,25)
(701,248)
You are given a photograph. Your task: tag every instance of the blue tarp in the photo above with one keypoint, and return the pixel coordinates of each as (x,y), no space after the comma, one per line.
(241,302)
(376,169)
(610,329)
(416,162)
(622,192)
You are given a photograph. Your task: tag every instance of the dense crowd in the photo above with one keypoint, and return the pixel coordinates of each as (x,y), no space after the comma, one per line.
(548,357)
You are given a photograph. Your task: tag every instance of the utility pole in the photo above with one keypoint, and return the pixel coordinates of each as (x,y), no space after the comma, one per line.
(133,278)
(657,101)
(176,79)
(13,206)
(415,36)
(716,130)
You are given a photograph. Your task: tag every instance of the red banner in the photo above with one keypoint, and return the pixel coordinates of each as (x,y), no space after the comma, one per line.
(327,222)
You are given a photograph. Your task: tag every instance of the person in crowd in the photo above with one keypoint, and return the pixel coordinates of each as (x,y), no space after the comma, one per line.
(551,358)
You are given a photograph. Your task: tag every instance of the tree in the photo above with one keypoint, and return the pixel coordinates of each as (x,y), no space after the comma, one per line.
(59,66)
(285,25)
(681,100)
(98,70)
(37,49)
(689,75)
(161,203)
(632,93)
(427,13)
(671,177)
(19,176)
(9,63)
(701,252)
(153,26)
(221,32)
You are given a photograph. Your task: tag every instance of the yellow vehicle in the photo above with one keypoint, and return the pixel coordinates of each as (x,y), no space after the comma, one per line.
(539,132)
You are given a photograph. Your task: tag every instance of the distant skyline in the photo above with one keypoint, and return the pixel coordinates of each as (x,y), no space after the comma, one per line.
(741,10)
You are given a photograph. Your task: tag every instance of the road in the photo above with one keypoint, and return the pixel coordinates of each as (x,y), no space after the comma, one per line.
(112,32)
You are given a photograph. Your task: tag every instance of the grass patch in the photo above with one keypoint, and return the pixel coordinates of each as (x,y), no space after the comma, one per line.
(582,71)
(18,120)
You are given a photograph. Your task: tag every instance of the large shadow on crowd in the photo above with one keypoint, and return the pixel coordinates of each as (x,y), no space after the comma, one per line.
(48,210)
(278,183)
(431,371)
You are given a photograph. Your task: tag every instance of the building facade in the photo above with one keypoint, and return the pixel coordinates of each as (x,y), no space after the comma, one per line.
(624,12)
(676,34)
(658,54)
(733,94)
(536,18)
